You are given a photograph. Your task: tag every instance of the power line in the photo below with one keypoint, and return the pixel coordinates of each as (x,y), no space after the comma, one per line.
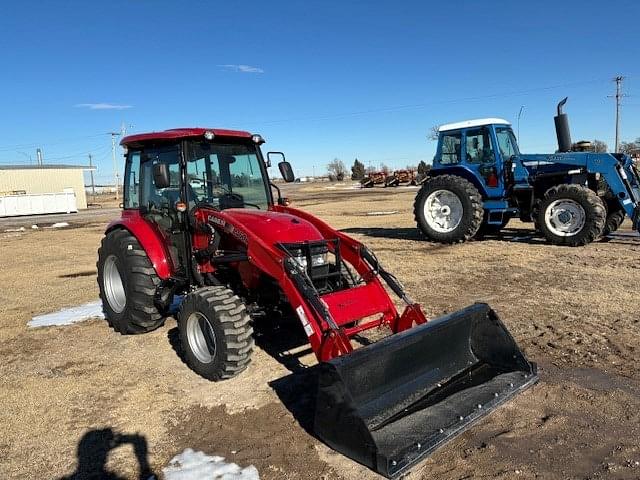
(7,148)
(434,102)
(100,149)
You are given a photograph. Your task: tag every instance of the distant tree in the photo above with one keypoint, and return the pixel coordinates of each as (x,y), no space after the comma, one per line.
(598,146)
(336,169)
(358,170)
(385,169)
(434,132)
(630,147)
(423,167)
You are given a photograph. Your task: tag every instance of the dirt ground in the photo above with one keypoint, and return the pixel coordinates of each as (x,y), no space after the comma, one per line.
(80,401)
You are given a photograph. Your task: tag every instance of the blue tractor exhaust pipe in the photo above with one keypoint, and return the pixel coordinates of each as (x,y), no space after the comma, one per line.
(562,128)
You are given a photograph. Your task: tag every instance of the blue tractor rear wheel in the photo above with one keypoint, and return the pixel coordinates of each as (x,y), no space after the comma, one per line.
(448,209)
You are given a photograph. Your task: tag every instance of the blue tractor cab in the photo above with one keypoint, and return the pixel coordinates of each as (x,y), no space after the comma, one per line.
(480,180)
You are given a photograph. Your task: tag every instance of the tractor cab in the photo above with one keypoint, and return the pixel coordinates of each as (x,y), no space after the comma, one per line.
(176,179)
(180,169)
(477,150)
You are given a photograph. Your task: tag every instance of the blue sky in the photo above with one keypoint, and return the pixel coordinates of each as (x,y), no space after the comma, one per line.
(318,80)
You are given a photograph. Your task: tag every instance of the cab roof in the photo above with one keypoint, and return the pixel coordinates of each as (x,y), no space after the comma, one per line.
(175,133)
(472,123)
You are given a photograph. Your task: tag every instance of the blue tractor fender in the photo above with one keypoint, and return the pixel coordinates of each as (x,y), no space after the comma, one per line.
(461,171)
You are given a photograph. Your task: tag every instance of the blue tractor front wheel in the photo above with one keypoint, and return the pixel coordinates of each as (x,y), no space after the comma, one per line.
(571,215)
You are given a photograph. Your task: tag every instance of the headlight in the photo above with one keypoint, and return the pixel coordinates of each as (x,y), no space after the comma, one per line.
(317,259)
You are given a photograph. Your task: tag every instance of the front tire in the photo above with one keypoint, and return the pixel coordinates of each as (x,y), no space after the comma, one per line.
(127,283)
(215,333)
(614,220)
(571,215)
(615,215)
(448,209)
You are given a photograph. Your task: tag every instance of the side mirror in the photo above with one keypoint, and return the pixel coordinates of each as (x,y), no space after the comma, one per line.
(286,171)
(276,156)
(161,175)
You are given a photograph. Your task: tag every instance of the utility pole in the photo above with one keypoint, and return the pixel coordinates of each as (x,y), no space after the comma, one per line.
(93,186)
(39,156)
(618,96)
(115,163)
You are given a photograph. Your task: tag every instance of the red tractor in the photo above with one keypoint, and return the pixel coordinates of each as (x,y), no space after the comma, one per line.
(200,226)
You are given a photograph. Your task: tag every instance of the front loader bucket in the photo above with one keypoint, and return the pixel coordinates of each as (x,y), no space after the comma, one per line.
(391,403)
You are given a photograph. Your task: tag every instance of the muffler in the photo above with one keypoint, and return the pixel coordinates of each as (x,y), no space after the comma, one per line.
(563,133)
(389,404)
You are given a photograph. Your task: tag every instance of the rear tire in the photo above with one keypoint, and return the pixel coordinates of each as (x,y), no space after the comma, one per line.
(215,333)
(448,209)
(571,215)
(127,283)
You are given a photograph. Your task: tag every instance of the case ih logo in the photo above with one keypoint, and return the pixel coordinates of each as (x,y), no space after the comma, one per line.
(216,220)
(228,228)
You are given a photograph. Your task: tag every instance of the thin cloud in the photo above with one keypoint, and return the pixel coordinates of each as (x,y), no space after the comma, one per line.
(103,106)
(241,68)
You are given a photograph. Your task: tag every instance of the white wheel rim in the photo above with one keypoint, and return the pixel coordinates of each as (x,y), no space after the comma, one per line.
(443,211)
(201,337)
(564,217)
(113,286)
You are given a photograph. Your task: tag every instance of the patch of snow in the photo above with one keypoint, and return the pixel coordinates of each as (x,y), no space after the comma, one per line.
(34,227)
(192,465)
(67,316)
(390,212)
(60,225)
(21,229)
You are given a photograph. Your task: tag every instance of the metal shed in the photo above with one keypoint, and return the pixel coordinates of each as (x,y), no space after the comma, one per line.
(36,189)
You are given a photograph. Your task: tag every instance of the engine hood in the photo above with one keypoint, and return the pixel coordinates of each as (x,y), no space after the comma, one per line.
(274,227)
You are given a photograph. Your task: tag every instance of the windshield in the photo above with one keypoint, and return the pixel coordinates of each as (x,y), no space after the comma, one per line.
(225,176)
(506,142)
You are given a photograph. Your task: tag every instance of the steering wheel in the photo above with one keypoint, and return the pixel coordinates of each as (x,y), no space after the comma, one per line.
(240,198)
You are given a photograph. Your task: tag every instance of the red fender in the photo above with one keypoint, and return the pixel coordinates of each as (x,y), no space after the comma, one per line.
(149,237)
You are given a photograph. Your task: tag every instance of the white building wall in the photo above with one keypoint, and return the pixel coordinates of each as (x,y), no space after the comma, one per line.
(44,180)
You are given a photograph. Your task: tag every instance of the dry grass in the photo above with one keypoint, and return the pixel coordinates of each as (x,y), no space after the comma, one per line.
(572,310)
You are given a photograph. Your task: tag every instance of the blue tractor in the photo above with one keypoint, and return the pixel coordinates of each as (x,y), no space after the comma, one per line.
(480,180)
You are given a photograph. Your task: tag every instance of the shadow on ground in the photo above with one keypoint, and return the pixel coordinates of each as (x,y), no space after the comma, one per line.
(93,452)
(403,233)
(506,235)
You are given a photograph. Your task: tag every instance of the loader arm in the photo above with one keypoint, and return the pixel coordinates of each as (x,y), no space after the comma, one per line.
(329,320)
(366,264)
(618,171)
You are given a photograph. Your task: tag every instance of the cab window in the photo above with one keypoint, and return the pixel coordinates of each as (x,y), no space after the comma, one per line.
(478,146)
(132,181)
(450,153)
(158,198)
(506,142)
(225,176)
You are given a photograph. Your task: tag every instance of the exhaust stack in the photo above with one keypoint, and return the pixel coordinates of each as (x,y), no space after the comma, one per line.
(562,128)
